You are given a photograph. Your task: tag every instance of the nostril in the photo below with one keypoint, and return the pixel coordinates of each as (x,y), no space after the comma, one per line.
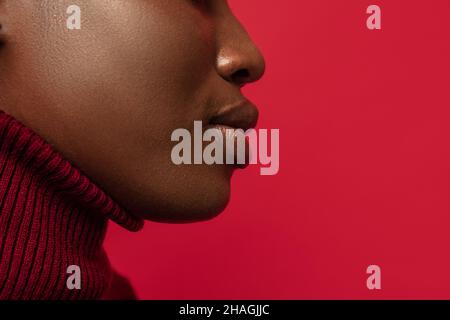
(241,76)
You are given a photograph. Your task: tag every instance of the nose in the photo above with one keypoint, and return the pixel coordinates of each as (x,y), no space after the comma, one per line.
(239,61)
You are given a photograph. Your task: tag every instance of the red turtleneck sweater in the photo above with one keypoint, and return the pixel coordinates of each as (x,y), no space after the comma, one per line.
(52,216)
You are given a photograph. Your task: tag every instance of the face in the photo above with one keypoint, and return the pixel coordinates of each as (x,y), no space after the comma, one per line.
(109,96)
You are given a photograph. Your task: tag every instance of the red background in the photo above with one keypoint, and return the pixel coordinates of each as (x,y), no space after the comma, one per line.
(364,166)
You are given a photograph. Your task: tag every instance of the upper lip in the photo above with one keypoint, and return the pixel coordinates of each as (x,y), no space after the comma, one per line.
(240,115)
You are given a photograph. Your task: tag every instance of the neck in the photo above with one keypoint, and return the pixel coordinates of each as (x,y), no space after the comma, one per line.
(51,217)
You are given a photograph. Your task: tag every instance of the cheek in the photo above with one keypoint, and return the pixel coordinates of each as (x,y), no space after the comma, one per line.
(136,69)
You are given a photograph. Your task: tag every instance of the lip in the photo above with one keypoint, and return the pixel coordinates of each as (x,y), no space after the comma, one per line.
(225,131)
(240,115)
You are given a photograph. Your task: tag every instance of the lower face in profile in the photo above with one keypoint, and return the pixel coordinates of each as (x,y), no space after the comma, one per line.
(108,96)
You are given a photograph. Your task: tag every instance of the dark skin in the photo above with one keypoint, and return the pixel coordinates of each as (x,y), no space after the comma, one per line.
(109,96)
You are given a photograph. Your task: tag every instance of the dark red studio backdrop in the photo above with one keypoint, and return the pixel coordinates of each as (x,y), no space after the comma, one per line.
(364,119)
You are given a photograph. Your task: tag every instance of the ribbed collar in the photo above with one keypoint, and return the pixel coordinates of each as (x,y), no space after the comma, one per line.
(43,159)
(51,216)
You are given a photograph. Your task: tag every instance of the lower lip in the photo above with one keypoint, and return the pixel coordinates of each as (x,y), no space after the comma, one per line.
(225,132)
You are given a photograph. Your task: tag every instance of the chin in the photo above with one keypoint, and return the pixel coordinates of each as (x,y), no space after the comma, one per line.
(195,199)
